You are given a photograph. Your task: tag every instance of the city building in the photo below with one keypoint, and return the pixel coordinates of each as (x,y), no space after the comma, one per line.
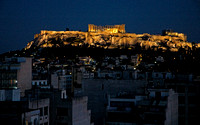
(61,81)
(188,95)
(186,86)
(16,72)
(43,106)
(98,90)
(63,109)
(40,83)
(160,106)
(121,109)
(25,111)
(9,94)
(17,113)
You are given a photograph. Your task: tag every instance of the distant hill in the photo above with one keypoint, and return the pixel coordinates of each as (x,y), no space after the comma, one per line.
(71,43)
(169,41)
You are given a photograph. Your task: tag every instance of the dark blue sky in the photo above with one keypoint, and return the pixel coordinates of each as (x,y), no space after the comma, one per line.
(21,19)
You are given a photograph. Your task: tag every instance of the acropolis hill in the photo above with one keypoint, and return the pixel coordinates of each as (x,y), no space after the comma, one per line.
(110,37)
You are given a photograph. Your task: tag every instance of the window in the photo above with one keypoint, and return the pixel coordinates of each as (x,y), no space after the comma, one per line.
(158,95)
(158,83)
(181,110)
(62,111)
(102,87)
(181,99)
(156,75)
(130,75)
(46,110)
(191,89)
(181,120)
(41,111)
(118,75)
(106,76)
(62,124)
(193,111)
(35,121)
(181,89)
(46,123)
(193,99)
(121,104)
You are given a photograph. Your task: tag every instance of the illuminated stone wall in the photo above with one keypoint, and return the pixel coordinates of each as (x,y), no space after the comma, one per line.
(114,35)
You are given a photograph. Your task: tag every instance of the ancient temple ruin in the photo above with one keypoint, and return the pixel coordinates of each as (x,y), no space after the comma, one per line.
(107,28)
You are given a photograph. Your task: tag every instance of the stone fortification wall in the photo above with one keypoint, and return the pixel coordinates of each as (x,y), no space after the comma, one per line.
(113,35)
(46,32)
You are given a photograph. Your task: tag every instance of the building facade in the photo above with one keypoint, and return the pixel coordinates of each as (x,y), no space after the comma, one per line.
(16,73)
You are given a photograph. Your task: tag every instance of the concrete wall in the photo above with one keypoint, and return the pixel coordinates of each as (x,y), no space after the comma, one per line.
(54,80)
(32,117)
(41,104)
(80,113)
(24,76)
(172,109)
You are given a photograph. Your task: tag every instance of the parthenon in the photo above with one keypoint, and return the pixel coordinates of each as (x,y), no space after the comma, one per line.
(107,28)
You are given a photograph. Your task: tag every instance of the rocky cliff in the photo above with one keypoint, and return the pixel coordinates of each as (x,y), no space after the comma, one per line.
(171,41)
